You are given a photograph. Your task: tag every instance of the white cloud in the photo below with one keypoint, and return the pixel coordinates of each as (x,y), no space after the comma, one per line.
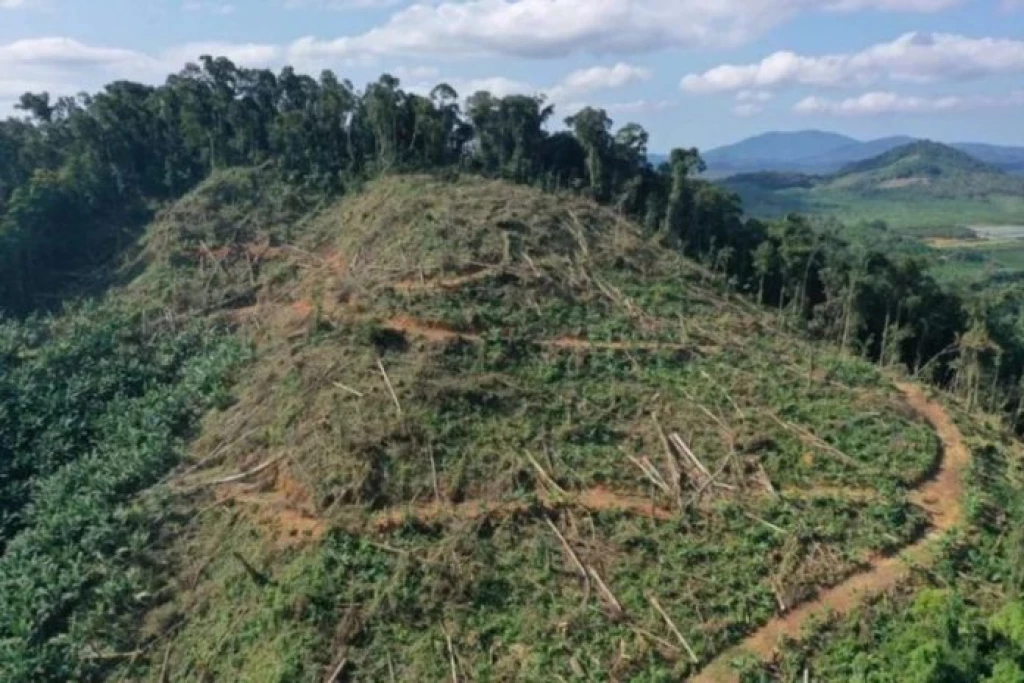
(597,78)
(253,55)
(65,66)
(746,109)
(342,4)
(13,4)
(639,106)
(914,57)
(216,8)
(879,103)
(65,52)
(754,96)
(499,86)
(556,28)
(415,73)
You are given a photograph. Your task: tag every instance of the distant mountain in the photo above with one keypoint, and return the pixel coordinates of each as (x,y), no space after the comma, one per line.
(819,152)
(858,151)
(775,151)
(917,185)
(1007,158)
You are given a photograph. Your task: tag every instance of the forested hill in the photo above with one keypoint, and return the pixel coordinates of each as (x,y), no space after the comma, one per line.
(927,168)
(87,173)
(300,381)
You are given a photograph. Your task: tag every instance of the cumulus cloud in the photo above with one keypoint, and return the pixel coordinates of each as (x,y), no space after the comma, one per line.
(914,57)
(556,28)
(879,103)
(65,52)
(253,55)
(639,106)
(597,78)
(61,65)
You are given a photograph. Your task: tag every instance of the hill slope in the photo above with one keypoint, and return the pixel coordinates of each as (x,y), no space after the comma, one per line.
(486,428)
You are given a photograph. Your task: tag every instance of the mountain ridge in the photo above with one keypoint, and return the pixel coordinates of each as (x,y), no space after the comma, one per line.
(823,152)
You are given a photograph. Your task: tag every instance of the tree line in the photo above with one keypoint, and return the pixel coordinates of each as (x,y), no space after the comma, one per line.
(80,175)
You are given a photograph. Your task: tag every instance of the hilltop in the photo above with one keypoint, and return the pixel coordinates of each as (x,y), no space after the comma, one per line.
(775,151)
(484,419)
(931,166)
(922,185)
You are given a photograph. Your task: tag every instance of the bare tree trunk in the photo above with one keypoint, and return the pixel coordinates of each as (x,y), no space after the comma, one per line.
(885,339)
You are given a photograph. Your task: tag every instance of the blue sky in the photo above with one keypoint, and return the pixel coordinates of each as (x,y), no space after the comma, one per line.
(694,72)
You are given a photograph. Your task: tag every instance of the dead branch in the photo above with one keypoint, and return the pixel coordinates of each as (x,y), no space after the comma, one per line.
(656,639)
(244,475)
(768,524)
(568,549)
(167,659)
(338,670)
(112,656)
(652,474)
(545,477)
(451,656)
(433,477)
(220,451)
(605,591)
(777,589)
(767,481)
(672,627)
(670,461)
(685,450)
(349,389)
(391,388)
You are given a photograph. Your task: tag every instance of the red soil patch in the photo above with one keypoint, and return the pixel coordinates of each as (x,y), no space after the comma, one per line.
(597,499)
(940,498)
(303,308)
(434,332)
(284,508)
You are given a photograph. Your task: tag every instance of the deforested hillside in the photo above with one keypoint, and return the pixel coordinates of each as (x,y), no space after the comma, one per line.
(488,433)
(305,383)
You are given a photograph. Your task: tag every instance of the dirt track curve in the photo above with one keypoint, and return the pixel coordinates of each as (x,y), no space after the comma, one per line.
(940,497)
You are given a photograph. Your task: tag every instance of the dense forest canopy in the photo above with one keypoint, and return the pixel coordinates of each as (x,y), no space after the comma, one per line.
(80,176)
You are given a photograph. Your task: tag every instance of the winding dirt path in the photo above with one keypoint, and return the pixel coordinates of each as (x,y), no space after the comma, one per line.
(940,497)
(597,499)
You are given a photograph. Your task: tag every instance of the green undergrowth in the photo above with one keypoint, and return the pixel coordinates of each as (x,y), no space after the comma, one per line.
(814,453)
(97,406)
(962,620)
